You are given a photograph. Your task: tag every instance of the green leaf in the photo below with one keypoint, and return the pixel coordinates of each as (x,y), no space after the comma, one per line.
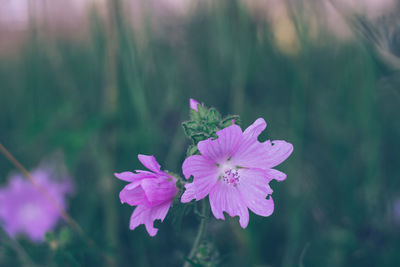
(64,235)
(229,120)
(202,111)
(191,127)
(199,137)
(49,236)
(194,115)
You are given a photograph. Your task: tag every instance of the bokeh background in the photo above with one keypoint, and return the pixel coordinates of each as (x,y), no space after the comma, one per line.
(101,81)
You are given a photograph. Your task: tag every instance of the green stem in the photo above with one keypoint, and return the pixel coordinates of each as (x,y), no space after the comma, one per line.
(200,233)
(13,243)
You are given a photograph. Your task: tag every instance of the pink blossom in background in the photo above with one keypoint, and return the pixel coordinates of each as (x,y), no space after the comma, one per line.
(24,209)
(152,193)
(193,104)
(396,210)
(235,170)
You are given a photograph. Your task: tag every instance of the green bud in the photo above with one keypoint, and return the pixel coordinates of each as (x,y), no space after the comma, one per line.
(202,111)
(213,116)
(206,255)
(194,114)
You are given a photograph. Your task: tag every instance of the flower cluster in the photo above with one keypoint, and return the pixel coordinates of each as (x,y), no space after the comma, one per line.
(228,165)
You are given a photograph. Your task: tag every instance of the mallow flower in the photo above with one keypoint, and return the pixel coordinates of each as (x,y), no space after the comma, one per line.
(25,210)
(235,170)
(151,191)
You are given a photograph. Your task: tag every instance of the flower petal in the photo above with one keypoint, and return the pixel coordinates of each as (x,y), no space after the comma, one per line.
(159,190)
(261,206)
(189,194)
(254,189)
(193,104)
(279,151)
(134,177)
(227,198)
(205,173)
(250,150)
(133,197)
(138,216)
(198,189)
(275,174)
(147,216)
(222,148)
(253,154)
(198,166)
(254,130)
(150,163)
(125,176)
(133,184)
(254,182)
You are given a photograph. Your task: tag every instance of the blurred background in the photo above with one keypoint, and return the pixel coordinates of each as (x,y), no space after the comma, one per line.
(104,80)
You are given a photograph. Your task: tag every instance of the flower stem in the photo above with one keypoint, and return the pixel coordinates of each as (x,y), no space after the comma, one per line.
(200,233)
(13,243)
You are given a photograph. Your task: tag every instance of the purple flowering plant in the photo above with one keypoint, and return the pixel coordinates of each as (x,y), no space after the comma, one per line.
(151,191)
(23,207)
(229,165)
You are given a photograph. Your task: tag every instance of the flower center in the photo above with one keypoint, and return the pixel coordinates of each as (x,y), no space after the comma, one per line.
(30,212)
(231,177)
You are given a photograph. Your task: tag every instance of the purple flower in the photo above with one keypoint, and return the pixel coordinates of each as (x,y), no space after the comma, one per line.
(152,193)
(193,104)
(235,171)
(24,209)
(396,210)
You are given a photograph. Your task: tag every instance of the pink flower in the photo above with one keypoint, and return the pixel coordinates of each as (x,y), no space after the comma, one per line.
(152,193)
(24,209)
(235,171)
(193,104)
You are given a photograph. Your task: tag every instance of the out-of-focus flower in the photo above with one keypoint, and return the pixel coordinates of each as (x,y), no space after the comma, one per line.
(24,209)
(193,104)
(235,170)
(396,210)
(152,193)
